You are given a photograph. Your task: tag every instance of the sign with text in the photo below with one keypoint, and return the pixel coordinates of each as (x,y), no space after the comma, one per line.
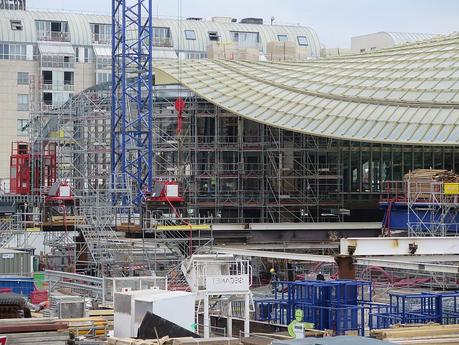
(229,283)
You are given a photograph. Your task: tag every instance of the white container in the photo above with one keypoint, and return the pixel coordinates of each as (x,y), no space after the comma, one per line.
(175,306)
(130,308)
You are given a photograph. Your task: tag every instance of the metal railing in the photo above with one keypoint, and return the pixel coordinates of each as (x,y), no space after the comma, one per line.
(53,36)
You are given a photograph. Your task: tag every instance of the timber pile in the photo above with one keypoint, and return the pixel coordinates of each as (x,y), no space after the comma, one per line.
(94,327)
(431,175)
(420,181)
(281,51)
(419,335)
(230,51)
(35,331)
(106,314)
(174,341)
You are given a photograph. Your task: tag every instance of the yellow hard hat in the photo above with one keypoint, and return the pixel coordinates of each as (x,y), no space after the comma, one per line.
(272,270)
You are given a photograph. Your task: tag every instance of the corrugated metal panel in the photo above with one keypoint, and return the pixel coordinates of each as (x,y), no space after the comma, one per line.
(56,49)
(407,37)
(380,108)
(14,262)
(80,30)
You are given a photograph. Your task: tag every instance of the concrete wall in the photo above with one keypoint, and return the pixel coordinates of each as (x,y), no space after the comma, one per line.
(366,43)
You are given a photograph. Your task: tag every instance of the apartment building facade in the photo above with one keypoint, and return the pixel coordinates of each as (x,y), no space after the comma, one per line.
(46,57)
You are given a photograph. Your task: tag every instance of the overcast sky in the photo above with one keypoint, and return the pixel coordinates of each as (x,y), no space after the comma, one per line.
(335,21)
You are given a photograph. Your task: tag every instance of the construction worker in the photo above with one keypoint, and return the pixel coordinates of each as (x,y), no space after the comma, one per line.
(274,279)
(320,276)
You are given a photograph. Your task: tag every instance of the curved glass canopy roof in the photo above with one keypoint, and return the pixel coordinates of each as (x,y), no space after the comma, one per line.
(404,95)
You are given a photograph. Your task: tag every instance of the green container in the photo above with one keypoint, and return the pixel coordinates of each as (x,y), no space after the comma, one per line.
(39,278)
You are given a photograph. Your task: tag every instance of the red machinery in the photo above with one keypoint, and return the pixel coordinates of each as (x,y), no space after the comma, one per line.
(20,168)
(166,201)
(29,172)
(59,206)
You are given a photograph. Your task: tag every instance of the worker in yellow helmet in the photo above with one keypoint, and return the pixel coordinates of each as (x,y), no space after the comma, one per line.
(274,279)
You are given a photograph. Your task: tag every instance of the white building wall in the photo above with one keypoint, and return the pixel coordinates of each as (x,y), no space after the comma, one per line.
(9,90)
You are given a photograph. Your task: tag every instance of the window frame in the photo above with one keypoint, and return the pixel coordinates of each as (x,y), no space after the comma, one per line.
(301,37)
(188,38)
(16,25)
(21,80)
(282,35)
(215,37)
(22,106)
(20,125)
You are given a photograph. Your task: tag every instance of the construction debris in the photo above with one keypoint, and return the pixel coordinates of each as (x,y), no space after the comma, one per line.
(429,175)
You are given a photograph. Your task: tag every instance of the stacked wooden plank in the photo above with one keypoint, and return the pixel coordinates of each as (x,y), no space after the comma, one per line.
(174,341)
(429,175)
(106,314)
(230,51)
(94,327)
(35,331)
(420,335)
(421,181)
(281,51)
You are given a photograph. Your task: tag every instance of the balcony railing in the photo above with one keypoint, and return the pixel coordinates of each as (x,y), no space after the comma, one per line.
(162,42)
(101,39)
(54,36)
(57,64)
(49,86)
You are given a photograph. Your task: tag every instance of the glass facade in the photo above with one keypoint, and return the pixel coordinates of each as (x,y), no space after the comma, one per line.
(245,39)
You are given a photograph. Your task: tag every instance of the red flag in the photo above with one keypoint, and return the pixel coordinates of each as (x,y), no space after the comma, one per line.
(179,106)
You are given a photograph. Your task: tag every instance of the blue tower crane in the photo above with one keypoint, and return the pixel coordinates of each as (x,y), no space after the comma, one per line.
(132,100)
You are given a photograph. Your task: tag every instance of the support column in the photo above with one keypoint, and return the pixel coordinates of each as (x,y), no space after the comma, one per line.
(206,316)
(346,268)
(229,320)
(247,315)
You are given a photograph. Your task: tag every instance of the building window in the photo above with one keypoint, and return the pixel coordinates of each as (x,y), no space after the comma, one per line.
(23,78)
(104,62)
(282,38)
(103,77)
(302,41)
(47,98)
(213,36)
(190,35)
(23,102)
(52,31)
(245,39)
(162,37)
(22,127)
(12,51)
(16,25)
(101,33)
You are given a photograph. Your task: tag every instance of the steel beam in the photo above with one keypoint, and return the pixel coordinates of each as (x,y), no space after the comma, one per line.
(406,265)
(399,246)
(276,255)
(387,263)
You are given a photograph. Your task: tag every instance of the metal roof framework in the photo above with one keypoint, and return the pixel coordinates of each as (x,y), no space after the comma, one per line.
(404,95)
